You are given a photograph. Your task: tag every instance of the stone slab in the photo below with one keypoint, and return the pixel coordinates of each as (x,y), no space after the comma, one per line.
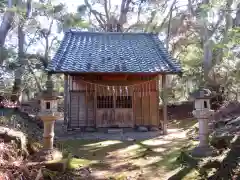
(114,130)
(203,151)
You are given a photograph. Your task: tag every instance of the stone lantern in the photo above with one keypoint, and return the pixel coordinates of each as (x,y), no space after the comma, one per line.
(48,114)
(202,112)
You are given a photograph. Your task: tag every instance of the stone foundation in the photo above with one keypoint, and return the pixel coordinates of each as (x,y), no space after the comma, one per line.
(106,129)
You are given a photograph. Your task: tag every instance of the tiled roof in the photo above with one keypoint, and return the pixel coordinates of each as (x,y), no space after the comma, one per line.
(112,52)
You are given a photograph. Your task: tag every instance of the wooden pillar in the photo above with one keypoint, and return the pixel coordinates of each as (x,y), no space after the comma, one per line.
(95,105)
(158,99)
(164,103)
(65,99)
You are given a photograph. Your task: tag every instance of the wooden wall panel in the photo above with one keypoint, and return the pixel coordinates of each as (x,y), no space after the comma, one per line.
(145,110)
(83,107)
(146,105)
(138,108)
(154,113)
(73,113)
(75,84)
(90,109)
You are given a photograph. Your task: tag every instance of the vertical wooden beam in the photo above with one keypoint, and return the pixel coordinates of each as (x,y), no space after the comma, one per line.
(142,118)
(65,99)
(149,94)
(158,99)
(164,103)
(70,80)
(86,102)
(95,105)
(78,107)
(133,106)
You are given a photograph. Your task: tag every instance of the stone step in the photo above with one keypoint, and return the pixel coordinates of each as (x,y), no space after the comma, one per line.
(114,130)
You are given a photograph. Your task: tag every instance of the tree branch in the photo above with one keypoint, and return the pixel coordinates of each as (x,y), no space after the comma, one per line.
(229,24)
(167,16)
(35,78)
(169,25)
(96,14)
(123,11)
(37,56)
(106,9)
(51,44)
(153,15)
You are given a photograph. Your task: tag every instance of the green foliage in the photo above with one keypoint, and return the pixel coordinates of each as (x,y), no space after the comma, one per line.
(185,38)
(73,20)
(3,4)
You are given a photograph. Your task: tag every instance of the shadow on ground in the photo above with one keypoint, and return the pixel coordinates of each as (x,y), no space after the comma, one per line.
(223,167)
(141,159)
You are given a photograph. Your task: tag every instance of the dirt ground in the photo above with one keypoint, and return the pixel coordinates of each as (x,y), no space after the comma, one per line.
(150,159)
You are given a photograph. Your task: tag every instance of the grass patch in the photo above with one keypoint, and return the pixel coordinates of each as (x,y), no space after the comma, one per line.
(118,177)
(184,124)
(74,163)
(119,159)
(169,160)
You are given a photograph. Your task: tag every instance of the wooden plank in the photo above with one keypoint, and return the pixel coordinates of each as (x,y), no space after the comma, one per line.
(77,109)
(65,99)
(158,100)
(154,109)
(138,107)
(70,102)
(164,100)
(149,100)
(95,105)
(82,110)
(86,104)
(90,112)
(142,120)
(133,106)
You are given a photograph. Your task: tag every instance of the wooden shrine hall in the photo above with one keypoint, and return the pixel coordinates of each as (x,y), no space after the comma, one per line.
(113,79)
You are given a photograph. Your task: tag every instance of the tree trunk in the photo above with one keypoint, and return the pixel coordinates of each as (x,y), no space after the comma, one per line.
(5,27)
(207,49)
(19,72)
(17,89)
(237,18)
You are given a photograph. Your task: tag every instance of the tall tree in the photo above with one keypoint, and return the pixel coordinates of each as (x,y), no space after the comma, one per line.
(5,26)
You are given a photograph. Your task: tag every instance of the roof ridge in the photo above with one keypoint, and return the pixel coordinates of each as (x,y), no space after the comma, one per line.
(79,31)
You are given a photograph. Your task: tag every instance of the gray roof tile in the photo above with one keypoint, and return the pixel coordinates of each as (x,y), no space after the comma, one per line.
(112,52)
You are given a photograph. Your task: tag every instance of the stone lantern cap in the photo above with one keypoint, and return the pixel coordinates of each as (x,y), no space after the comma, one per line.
(48,95)
(201,94)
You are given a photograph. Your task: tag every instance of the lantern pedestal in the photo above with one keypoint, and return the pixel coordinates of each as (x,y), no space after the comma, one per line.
(203,149)
(48,134)
(48,153)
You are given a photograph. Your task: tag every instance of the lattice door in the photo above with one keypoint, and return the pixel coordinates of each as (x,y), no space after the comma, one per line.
(114,108)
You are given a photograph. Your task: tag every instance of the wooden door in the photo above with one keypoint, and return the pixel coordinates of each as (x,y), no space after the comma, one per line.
(77,110)
(114,111)
(105,111)
(124,111)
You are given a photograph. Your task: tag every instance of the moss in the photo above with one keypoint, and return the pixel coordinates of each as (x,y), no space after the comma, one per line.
(75,163)
(72,163)
(118,177)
